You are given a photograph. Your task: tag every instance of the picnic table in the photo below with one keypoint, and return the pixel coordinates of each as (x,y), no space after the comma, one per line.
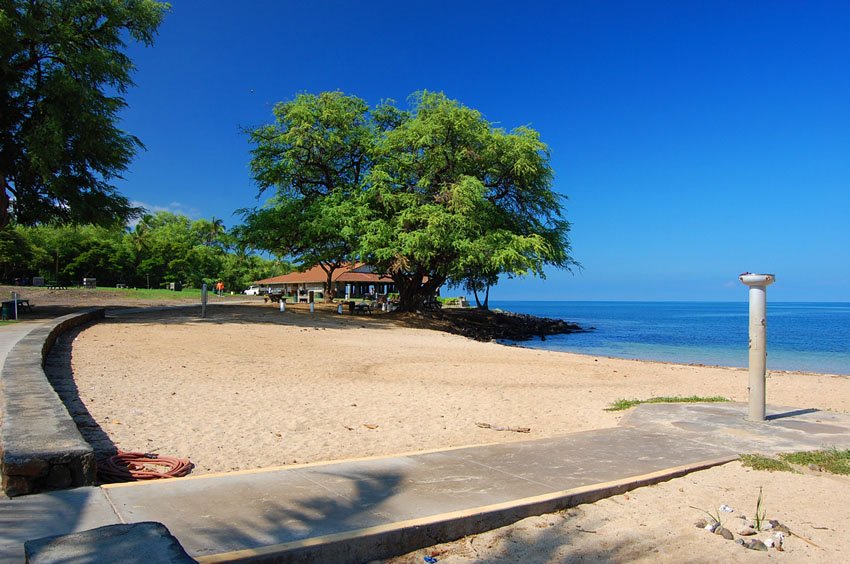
(359,307)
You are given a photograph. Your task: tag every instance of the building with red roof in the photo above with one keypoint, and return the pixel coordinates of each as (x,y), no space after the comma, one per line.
(356,280)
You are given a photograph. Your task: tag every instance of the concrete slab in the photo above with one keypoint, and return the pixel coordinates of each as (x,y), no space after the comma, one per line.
(53,513)
(245,511)
(426,484)
(593,456)
(240,510)
(725,425)
(11,334)
(138,543)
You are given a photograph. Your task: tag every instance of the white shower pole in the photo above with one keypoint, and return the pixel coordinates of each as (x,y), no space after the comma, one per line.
(758,284)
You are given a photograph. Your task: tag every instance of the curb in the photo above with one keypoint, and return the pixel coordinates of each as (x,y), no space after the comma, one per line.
(40,445)
(386,541)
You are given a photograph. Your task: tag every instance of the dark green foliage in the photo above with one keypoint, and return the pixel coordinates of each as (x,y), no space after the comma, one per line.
(16,254)
(63,73)
(162,248)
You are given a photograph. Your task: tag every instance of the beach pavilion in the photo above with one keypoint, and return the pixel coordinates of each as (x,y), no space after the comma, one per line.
(351,281)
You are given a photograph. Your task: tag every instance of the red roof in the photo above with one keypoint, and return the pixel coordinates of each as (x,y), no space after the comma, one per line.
(317,275)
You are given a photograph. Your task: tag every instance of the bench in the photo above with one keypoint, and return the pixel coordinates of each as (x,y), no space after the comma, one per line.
(24,305)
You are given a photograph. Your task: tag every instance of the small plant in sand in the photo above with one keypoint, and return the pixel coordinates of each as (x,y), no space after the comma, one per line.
(622,404)
(715,517)
(761,512)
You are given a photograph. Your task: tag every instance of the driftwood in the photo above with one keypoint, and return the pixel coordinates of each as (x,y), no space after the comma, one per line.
(498,428)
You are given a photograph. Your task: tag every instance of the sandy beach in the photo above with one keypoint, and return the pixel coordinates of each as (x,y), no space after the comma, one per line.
(249,387)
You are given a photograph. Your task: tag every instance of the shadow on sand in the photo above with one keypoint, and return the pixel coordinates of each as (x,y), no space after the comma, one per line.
(57,368)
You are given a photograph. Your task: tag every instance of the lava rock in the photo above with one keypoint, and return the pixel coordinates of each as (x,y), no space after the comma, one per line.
(725,533)
(486,325)
(756,544)
(747,531)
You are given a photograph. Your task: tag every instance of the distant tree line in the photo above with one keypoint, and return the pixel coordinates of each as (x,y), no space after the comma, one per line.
(161,248)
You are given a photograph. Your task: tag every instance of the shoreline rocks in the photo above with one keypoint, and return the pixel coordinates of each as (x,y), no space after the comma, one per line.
(486,325)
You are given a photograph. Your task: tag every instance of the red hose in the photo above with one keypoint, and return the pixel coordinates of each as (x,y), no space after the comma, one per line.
(132,466)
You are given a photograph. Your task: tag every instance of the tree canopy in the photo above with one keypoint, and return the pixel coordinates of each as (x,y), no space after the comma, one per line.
(63,72)
(315,155)
(431,195)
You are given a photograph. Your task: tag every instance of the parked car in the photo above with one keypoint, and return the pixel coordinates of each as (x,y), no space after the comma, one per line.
(253,291)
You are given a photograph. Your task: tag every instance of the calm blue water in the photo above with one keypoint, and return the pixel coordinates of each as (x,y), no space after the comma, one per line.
(812,337)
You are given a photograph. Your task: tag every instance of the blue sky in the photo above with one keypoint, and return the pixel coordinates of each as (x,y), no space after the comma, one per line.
(695,140)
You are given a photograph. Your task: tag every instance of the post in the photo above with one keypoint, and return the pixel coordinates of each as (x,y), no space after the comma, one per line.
(15,304)
(204,299)
(758,284)
(312,307)
(282,303)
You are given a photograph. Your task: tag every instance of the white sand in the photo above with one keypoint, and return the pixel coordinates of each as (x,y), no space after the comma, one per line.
(250,387)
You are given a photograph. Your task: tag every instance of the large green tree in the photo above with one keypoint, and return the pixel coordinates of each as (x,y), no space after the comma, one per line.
(453,199)
(429,196)
(63,74)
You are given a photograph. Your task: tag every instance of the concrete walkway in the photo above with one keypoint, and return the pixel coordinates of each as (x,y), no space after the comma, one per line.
(12,333)
(358,510)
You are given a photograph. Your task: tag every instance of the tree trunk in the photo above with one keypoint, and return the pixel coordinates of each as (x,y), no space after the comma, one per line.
(486,305)
(4,202)
(475,293)
(329,283)
(329,286)
(413,292)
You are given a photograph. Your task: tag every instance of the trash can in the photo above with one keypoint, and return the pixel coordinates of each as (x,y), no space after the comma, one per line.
(7,311)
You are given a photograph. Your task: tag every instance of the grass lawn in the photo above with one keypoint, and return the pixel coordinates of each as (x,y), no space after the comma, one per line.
(153,294)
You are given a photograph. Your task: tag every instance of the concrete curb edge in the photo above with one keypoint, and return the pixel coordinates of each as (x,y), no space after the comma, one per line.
(397,538)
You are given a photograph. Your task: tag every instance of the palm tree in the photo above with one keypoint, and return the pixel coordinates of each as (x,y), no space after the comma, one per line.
(216,229)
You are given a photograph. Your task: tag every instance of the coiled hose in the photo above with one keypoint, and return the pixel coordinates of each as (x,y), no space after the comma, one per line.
(133,466)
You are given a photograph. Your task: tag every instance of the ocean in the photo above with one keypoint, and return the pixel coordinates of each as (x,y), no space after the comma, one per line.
(810,337)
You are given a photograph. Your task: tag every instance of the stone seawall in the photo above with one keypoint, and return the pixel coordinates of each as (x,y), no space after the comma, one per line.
(40,445)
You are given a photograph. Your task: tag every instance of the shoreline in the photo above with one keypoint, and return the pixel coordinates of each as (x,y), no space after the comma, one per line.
(802,337)
(521,345)
(51,303)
